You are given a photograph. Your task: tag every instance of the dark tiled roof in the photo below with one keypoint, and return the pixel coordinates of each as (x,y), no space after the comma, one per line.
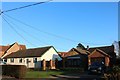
(105,54)
(35,52)
(82,51)
(106,49)
(74,51)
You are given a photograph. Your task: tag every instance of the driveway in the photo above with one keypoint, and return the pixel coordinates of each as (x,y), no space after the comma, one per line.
(84,76)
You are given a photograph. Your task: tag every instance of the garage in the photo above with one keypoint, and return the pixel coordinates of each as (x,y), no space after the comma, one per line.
(98,56)
(98,59)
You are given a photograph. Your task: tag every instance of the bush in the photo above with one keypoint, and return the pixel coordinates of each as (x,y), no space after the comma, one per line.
(114,73)
(17,71)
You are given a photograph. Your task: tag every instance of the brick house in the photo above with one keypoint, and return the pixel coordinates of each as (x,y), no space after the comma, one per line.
(75,58)
(6,50)
(85,56)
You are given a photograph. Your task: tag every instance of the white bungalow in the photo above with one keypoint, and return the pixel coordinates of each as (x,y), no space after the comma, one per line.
(32,58)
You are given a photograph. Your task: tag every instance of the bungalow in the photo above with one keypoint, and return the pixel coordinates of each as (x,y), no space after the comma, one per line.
(32,58)
(81,56)
(76,58)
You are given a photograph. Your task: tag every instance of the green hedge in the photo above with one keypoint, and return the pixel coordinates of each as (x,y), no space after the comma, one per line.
(17,71)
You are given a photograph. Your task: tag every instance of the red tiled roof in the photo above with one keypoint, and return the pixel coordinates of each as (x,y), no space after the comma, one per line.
(22,47)
(4,48)
(62,54)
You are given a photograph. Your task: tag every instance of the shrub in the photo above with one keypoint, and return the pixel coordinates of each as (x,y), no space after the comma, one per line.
(114,73)
(17,71)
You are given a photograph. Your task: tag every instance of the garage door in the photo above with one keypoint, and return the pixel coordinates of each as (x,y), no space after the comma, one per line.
(98,59)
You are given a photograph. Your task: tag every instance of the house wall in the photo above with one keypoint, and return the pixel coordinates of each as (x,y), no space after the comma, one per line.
(30,64)
(98,55)
(107,61)
(16,61)
(1,53)
(14,48)
(79,61)
(51,54)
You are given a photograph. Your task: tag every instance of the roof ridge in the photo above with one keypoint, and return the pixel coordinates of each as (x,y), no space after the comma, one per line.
(33,48)
(39,47)
(10,47)
(101,46)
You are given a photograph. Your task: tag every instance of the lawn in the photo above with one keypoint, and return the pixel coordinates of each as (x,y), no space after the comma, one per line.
(49,73)
(42,74)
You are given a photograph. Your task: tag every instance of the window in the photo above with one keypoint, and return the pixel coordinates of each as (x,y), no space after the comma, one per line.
(12,60)
(34,60)
(27,61)
(20,60)
(68,62)
(5,60)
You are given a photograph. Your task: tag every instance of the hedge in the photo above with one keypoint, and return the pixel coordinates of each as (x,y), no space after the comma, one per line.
(17,71)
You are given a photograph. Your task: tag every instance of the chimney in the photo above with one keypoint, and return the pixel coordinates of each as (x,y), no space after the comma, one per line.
(87,47)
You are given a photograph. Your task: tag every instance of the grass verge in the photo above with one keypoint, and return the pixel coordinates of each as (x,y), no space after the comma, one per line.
(42,74)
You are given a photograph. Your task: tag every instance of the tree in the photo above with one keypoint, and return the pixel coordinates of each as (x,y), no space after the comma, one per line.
(80,46)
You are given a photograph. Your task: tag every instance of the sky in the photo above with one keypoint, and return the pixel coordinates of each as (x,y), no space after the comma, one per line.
(61,24)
